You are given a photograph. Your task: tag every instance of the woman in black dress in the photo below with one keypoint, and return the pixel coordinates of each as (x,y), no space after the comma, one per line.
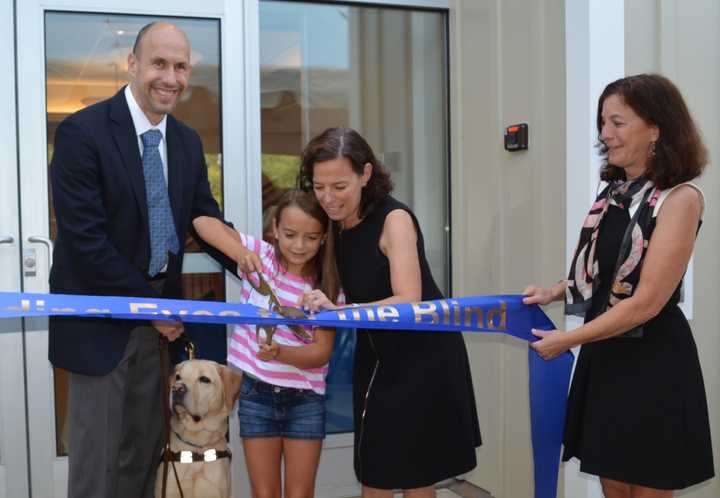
(637,414)
(414,409)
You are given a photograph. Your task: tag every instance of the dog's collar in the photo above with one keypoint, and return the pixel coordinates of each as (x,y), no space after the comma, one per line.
(184,441)
(186,456)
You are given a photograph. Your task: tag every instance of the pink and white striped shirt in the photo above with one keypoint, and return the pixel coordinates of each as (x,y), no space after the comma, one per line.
(243,349)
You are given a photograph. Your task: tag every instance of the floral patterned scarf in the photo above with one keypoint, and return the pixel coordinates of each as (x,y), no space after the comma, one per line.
(582,281)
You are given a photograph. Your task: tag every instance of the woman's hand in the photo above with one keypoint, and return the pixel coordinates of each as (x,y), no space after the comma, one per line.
(316,300)
(247,260)
(552,343)
(268,352)
(539,295)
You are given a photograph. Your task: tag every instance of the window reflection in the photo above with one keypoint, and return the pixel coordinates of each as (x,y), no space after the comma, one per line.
(86,62)
(381,71)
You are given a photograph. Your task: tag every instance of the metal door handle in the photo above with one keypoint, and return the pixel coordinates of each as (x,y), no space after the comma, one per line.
(46,242)
(6,240)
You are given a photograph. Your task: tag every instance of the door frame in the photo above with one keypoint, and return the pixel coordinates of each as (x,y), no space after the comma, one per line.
(49,478)
(13,428)
(241,160)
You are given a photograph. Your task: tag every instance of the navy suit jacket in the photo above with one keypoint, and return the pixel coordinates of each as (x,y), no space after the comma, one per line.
(102,245)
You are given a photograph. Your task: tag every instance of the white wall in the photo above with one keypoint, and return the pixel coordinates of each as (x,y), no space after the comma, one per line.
(515,219)
(680,39)
(595,56)
(507,66)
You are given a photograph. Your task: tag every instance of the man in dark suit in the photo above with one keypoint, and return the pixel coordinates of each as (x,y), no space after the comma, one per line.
(127,182)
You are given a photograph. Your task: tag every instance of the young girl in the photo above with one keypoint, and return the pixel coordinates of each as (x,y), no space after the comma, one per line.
(282,406)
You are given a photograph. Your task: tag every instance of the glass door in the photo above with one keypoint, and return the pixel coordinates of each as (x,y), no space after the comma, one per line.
(383,71)
(268,76)
(13,428)
(73,57)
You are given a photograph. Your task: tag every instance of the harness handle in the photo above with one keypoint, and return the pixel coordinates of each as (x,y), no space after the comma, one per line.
(167,454)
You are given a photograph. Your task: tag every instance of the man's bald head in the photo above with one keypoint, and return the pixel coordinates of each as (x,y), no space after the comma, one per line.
(148,28)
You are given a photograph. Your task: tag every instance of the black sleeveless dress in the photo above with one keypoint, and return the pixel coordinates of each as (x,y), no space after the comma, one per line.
(414,409)
(637,410)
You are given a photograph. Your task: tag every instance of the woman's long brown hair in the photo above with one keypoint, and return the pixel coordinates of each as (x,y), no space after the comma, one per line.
(679,155)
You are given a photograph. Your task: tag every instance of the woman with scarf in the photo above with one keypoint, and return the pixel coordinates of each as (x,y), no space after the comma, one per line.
(637,413)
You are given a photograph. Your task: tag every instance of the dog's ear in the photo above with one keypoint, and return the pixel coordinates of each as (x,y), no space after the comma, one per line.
(171,377)
(231,384)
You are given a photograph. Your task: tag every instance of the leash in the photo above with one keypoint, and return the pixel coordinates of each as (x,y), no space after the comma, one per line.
(167,453)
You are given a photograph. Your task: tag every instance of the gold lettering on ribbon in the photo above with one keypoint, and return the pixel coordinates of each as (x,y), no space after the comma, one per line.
(202,313)
(138,308)
(425,309)
(456,312)
(229,313)
(446,311)
(473,310)
(341,315)
(62,310)
(501,313)
(387,313)
(96,310)
(25,304)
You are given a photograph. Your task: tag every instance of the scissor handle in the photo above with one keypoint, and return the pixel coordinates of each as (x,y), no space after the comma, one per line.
(269,333)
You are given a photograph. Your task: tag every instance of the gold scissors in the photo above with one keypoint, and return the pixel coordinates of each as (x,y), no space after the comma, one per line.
(264,289)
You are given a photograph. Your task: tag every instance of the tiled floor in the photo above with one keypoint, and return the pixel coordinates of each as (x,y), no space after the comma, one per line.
(459,489)
(465,490)
(446,493)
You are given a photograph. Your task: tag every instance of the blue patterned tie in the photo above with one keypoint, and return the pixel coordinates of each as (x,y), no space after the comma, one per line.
(163,237)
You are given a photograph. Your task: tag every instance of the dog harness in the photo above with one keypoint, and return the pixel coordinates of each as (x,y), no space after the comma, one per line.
(210,455)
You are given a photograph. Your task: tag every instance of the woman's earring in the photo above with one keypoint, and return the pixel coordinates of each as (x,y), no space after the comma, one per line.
(652,148)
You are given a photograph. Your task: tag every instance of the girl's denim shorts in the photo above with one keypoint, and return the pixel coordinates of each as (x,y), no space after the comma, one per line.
(266,410)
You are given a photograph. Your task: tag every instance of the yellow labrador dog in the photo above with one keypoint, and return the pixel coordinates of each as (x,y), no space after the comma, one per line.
(202,396)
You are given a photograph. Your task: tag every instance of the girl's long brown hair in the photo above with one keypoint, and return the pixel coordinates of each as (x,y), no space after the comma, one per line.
(323,266)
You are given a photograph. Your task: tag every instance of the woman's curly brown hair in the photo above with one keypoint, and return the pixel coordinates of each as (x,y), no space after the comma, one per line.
(679,154)
(346,142)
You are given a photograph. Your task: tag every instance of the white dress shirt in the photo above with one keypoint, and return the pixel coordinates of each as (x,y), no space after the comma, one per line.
(143,124)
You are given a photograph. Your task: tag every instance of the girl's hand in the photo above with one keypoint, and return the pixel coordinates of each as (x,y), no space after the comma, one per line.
(248,261)
(552,343)
(538,295)
(315,300)
(268,352)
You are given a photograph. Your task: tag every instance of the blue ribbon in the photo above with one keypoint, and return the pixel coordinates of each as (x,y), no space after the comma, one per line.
(499,314)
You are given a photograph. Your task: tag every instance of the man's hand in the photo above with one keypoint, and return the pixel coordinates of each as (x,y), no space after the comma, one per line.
(171,329)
